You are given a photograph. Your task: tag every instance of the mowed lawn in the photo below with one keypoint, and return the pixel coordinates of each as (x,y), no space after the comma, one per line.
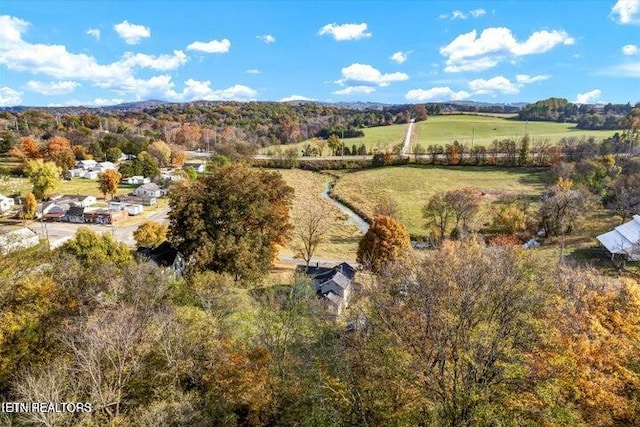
(342,237)
(445,129)
(411,187)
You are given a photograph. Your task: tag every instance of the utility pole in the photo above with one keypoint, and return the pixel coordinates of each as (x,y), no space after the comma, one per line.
(342,140)
(473,136)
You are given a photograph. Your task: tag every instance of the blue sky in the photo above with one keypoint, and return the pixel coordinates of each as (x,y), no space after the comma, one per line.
(108,52)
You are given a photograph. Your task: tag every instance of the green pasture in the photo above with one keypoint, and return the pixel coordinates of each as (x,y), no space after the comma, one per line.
(411,187)
(482,130)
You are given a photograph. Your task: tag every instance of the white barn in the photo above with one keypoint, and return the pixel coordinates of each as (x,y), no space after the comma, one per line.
(624,239)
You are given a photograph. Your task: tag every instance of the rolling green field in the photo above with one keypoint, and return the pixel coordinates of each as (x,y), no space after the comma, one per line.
(75,186)
(412,185)
(445,129)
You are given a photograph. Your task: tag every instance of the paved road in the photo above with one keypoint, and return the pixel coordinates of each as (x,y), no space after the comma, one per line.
(60,232)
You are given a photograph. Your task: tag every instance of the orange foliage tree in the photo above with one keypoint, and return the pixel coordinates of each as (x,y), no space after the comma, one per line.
(384,242)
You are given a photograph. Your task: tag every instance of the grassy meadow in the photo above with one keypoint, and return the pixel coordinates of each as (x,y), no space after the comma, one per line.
(411,187)
(444,129)
(343,237)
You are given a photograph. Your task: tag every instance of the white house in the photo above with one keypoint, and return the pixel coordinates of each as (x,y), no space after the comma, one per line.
(92,174)
(199,167)
(137,180)
(170,176)
(86,164)
(76,173)
(6,203)
(78,199)
(132,208)
(149,190)
(20,238)
(624,239)
(104,166)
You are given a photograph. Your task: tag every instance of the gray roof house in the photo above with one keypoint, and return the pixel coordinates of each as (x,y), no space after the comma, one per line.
(16,239)
(150,190)
(334,284)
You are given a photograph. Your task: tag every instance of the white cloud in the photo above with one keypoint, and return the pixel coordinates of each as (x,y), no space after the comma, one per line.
(400,56)
(213,46)
(57,62)
(295,98)
(131,33)
(436,94)
(253,71)
(365,75)
(160,62)
(468,52)
(458,14)
(9,97)
(355,90)
(52,88)
(630,49)
(267,38)
(499,84)
(345,31)
(588,97)
(526,79)
(201,90)
(94,32)
(627,11)
(101,102)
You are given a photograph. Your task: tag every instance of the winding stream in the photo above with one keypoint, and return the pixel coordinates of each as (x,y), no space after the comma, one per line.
(354,218)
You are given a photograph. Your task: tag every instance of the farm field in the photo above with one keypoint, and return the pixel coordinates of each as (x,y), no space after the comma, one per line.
(343,237)
(444,129)
(411,186)
(380,137)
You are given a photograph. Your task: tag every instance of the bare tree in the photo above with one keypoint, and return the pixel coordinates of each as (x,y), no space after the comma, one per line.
(311,229)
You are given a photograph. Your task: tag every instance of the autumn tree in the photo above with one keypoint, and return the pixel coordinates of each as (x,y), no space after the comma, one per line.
(510,220)
(27,149)
(461,322)
(44,176)
(178,158)
(108,182)
(563,206)
(232,220)
(29,206)
(91,248)
(384,242)
(188,135)
(438,213)
(386,206)
(160,151)
(150,234)
(59,151)
(311,228)
(334,144)
(113,154)
(148,165)
(464,204)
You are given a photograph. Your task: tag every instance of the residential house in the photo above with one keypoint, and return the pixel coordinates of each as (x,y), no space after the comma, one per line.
(136,180)
(104,166)
(623,240)
(199,167)
(86,164)
(149,190)
(105,216)
(91,174)
(76,173)
(333,284)
(75,214)
(78,200)
(6,203)
(56,212)
(170,176)
(132,208)
(139,200)
(16,239)
(164,256)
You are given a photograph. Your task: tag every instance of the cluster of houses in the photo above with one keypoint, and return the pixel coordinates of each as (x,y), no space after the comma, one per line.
(89,169)
(80,208)
(6,203)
